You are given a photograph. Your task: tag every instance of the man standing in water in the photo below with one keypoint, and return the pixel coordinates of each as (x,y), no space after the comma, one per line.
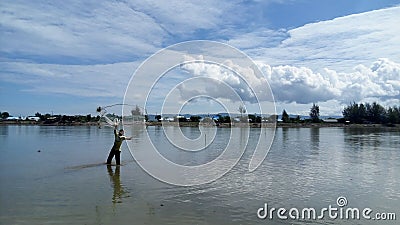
(116,149)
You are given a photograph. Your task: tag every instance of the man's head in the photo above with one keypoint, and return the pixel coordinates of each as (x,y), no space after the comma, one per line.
(121,132)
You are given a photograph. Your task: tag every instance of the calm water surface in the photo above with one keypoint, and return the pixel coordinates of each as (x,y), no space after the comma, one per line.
(306,167)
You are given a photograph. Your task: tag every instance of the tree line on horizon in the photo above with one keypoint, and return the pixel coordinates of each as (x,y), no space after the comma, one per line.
(371,113)
(314,116)
(358,113)
(362,113)
(63,119)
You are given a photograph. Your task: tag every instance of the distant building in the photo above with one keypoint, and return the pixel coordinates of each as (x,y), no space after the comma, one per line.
(13,118)
(330,120)
(33,118)
(167,119)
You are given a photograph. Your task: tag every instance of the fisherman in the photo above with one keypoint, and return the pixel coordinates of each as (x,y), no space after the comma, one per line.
(116,149)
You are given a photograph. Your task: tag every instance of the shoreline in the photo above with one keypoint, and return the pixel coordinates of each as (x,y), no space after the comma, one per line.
(221,125)
(279,125)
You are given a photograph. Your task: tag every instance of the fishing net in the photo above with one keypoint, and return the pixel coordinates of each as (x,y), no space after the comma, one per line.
(136,115)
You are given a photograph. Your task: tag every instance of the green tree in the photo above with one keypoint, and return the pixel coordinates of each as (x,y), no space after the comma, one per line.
(182,119)
(362,113)
(195,119)
(242,110)
(351,113)
(252,118)
(373,113)
(88,117)
(4,115)
(285,117)
(136,111)
(314,113)
(376,113)
(391,115)
(37,114)
(226,119)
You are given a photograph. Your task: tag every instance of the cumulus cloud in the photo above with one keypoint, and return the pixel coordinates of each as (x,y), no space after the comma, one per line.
(302,85)
(245,81)
(290,85)
(381,80)
(299,84)
(76,48)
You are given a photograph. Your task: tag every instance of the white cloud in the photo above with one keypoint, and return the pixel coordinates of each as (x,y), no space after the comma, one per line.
(97,31)
(299,84)
(182,17)
(76,80)
(104,32)
(338,44)
(330,62)
(380,80)
(302,85)
(259,38)
(246,82)
(292,86)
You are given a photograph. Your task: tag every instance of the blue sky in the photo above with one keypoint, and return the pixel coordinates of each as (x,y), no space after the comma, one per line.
(70,57)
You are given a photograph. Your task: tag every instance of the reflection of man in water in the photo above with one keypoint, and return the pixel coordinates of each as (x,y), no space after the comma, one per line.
(119,191)
(116,149)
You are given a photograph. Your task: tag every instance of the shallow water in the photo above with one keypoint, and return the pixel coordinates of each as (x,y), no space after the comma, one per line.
(66,182)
